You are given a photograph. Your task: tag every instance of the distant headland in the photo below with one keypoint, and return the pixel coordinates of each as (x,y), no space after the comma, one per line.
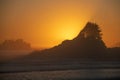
(18,44)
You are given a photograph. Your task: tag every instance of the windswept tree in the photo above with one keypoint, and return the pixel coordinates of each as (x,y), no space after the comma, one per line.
(91,30)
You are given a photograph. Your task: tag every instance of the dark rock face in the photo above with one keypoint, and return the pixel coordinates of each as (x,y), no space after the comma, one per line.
(87,45)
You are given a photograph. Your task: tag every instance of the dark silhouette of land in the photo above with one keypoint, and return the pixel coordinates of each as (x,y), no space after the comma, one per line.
(87,46)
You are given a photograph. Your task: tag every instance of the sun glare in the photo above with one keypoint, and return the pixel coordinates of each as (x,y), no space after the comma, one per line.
(69,30)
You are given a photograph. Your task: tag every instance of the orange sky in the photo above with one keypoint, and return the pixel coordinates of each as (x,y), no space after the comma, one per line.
(46,23)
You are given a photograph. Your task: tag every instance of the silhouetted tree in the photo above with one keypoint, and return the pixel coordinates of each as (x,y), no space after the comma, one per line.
(18,44)
(91,30)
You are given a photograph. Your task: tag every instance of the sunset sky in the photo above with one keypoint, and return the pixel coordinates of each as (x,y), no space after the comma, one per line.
(46,23)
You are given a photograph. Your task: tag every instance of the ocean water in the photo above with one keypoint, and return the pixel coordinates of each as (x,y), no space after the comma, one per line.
(81,74)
